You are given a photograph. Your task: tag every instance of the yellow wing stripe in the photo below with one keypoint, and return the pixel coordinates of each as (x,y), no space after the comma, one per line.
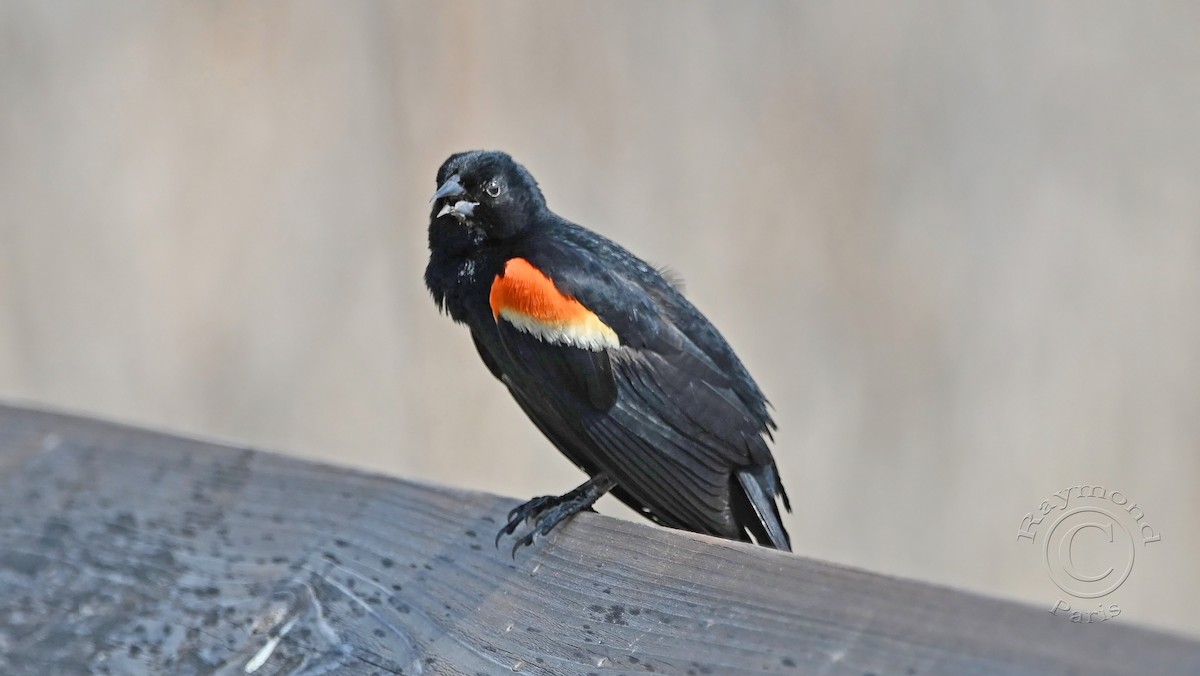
(526,298)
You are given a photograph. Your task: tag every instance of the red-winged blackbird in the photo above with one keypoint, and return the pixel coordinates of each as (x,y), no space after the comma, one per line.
(607,358)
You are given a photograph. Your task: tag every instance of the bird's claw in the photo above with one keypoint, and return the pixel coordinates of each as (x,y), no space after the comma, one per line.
(525,541)
(545,512)
(520,513)
(524,511)
(548,511)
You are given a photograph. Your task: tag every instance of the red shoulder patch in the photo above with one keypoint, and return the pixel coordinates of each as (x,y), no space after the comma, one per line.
(528,299)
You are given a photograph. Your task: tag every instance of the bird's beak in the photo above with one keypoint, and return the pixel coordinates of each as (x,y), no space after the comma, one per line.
(451,188)
(461,209)
(464,208)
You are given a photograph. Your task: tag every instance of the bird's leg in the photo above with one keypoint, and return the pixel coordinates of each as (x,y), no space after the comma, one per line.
(548,511)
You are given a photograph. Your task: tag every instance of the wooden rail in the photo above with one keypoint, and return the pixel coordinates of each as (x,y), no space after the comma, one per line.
(127,551)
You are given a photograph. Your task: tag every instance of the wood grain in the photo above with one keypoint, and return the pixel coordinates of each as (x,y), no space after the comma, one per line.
(126,551)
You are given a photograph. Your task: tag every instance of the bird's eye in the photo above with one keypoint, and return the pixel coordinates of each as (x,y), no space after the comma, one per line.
(493,189)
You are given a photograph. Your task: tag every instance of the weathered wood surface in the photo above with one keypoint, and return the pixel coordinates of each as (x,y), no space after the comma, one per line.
(125,551)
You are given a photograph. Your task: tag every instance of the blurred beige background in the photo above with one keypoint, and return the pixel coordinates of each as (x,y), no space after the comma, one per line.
(958,244)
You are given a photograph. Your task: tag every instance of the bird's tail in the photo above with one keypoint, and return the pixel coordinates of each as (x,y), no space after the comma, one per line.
(760,486)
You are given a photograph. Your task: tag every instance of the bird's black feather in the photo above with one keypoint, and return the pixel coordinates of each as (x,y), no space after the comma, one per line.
(667,413)
(587,375)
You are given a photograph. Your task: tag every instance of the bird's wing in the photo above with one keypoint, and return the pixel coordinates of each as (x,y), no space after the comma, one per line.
(661,416)
(670,343)
(544,329)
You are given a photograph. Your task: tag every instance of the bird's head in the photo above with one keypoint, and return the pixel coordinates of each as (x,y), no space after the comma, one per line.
(486,192)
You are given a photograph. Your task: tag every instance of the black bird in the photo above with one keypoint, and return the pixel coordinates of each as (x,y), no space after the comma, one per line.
(607,358)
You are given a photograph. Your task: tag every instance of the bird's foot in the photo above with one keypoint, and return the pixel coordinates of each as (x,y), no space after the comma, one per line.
(548,511)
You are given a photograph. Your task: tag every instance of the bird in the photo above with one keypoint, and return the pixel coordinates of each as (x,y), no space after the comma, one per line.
(606,357)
